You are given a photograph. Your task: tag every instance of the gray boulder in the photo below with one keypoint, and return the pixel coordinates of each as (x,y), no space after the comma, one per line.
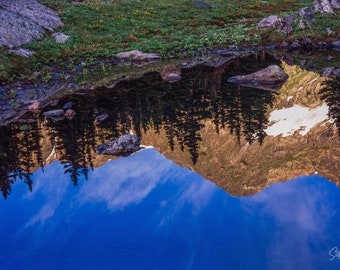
(201,4)
(24,21)
(22,52)
(137,56)
(336,45)
(284,25)
(306,12)
(336,72)
(335,4)
(270,78)
(123,146)
(287,27)
(295,45)
(327,71)
(330,72)
(60,37)
(270,21)
(326,6)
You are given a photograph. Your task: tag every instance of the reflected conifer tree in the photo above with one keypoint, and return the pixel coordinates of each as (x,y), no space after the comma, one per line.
(244,108)
(29,150)
(231,110)
(253,111)
(8,162)
(144,105)
(74,139)
(331,94)
(20,152)
(203,93)
(117,120)
(185,106)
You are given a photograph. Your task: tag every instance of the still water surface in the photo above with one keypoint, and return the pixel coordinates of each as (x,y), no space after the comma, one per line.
(146,212)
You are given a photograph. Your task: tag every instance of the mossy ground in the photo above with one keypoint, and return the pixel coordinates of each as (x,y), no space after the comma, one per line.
(100,29)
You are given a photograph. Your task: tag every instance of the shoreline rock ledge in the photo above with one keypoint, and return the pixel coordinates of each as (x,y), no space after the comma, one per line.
(270,78)
(25,21)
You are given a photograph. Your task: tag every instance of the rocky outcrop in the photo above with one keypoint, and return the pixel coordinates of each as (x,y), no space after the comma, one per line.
(335,3)
(24,21)
(270,78)
(284,25)
(326,6)
(123,146)
(304,16)
(270,21)
(136,56)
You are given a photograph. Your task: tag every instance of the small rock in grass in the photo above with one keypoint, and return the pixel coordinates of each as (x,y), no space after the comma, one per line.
(60,37)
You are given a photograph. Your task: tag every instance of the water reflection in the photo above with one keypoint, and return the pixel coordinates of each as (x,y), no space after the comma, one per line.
(331,94)
(144,105)
(145,212)
(201,122)
(20,150)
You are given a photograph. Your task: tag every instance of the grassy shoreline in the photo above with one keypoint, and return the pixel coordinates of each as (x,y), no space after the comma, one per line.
(100,29)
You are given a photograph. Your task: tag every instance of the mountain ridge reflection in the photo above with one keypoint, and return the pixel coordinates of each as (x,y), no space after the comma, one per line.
(190,121)
(141,105)
(180,222)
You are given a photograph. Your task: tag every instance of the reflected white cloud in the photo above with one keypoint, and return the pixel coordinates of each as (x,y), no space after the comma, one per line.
(290,225)
(305,211)
(44,213)
(298,221)
(53,193)
(194,193)
(125,181)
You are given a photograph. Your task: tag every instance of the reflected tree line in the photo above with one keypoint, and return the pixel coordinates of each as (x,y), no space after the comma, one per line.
(144,105)
(331,94)
(20,150)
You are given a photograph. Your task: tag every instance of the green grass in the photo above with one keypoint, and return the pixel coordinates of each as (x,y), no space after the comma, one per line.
(100,29)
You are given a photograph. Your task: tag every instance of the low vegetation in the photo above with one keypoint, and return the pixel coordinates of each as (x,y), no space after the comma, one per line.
(177,28)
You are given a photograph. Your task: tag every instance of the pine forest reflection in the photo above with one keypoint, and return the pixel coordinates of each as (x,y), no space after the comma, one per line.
(144,105)
(331,94)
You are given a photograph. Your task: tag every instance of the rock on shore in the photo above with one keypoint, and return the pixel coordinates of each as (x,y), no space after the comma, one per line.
(25,21)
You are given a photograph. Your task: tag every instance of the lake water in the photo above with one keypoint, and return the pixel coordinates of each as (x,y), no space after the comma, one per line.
(146,212)
(203,196)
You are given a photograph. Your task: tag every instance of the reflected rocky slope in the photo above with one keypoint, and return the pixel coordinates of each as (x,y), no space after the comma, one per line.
(202,122)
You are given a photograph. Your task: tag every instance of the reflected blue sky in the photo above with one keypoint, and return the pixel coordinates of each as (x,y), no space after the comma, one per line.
(145,212)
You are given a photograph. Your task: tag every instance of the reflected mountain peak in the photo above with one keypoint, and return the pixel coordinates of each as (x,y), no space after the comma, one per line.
(221,130)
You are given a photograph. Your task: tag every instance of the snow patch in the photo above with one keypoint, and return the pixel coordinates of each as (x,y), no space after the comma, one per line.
(297,118)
